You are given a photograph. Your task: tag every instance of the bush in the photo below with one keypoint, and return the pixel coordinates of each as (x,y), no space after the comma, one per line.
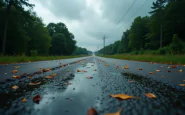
(33,52)
(177,45)
(141,51)
(162,50)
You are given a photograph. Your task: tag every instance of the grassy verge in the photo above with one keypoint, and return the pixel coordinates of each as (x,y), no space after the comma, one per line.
(17,59)
(175,59)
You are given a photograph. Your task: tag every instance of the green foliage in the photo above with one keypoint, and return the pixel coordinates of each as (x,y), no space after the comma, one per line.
(33,52)
(177,46)
(79,51)
(162,51)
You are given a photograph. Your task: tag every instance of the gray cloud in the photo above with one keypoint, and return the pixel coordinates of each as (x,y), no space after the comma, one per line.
(89,20)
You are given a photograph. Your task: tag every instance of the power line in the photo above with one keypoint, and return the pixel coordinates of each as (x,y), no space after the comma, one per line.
(139,8)
(127,11)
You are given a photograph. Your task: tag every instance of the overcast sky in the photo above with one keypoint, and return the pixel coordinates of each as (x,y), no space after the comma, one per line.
(89,20)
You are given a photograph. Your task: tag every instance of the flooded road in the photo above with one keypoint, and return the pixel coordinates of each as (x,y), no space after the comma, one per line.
(89,83)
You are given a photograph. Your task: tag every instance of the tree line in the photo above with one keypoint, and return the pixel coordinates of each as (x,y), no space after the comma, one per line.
(163,31)
(22,32)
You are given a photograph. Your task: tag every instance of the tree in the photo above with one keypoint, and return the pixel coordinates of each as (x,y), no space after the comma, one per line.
(158,8)
(18,4)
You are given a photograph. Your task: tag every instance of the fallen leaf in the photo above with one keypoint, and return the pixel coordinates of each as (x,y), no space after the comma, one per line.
(49,77)
(126,67)
(16,76)
(68,83)
(162,76)
(95,69)
(131,81)
(89,77)
(151,72)
(150,95)
(85,71)
(78,70)
(92,111)
(117,113)
(34,83)
(173,66)
(180,70)
(168,67)
(169,70)
(54,74)
(106,64)
(16,66)
(23,100)
(140,69)
(37,98)
(14,71)
(162,66)
(183,85)
(184,80)
(15,87)
(157,70)
(117,67)
(5,73)
(62,66)
(29,77)
(123,96)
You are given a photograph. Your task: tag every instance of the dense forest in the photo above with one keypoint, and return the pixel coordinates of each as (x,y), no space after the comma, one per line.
(22,32)
(162,32)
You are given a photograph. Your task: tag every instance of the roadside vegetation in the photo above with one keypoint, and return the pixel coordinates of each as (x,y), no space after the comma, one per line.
(24,36)
(159,37)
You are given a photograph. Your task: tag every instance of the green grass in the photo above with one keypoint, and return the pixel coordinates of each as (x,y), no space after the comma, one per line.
(175,59)
(17,59)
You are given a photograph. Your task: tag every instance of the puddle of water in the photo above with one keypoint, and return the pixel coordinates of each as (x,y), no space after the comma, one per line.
(76,99)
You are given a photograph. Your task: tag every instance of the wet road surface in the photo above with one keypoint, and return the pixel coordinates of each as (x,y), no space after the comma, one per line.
(71,93)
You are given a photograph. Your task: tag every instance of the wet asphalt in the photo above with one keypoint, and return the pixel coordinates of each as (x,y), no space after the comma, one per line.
(71,93)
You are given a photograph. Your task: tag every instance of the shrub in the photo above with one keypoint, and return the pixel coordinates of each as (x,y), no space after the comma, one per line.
(33,52)
(141,51)
(162,50)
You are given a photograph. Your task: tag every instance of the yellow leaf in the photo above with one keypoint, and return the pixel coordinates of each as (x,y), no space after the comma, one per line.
(180,70)
(106,64)
(140,69)
(168,67)
(29,77)
(34,83)
(126,67)
(16,66)
(14,71)
(183,85)
(78,70)
(117,113)
(24,100)
(15,87)
(123,96)
(150,95)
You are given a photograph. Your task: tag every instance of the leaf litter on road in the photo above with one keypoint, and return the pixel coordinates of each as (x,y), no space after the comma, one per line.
(14,71)
(34,83)
(150,95)
(37,99)
(123,96)
(15,87)
(24,100)
(92,111)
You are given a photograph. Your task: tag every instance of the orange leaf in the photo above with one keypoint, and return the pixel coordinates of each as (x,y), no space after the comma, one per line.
(123,96)
(85,71)
(140,69)
(162,76)
(92,111)
(49,77)
(117,113)
(54,74)
(150,95)
(15,87)
(78,70)
(151,73)
(14,71)
(157,70)
(183,85)
(29,77)
(34,83)
(106,64)
(23,100)
(16,76)
(131,81)
(173,66)
(162,66)
(184,80)
(37,98)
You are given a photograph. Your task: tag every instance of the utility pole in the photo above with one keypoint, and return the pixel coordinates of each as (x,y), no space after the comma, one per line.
(104,38)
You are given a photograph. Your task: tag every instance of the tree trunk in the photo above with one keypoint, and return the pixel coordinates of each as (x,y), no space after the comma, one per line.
(161,39)
(6,28)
